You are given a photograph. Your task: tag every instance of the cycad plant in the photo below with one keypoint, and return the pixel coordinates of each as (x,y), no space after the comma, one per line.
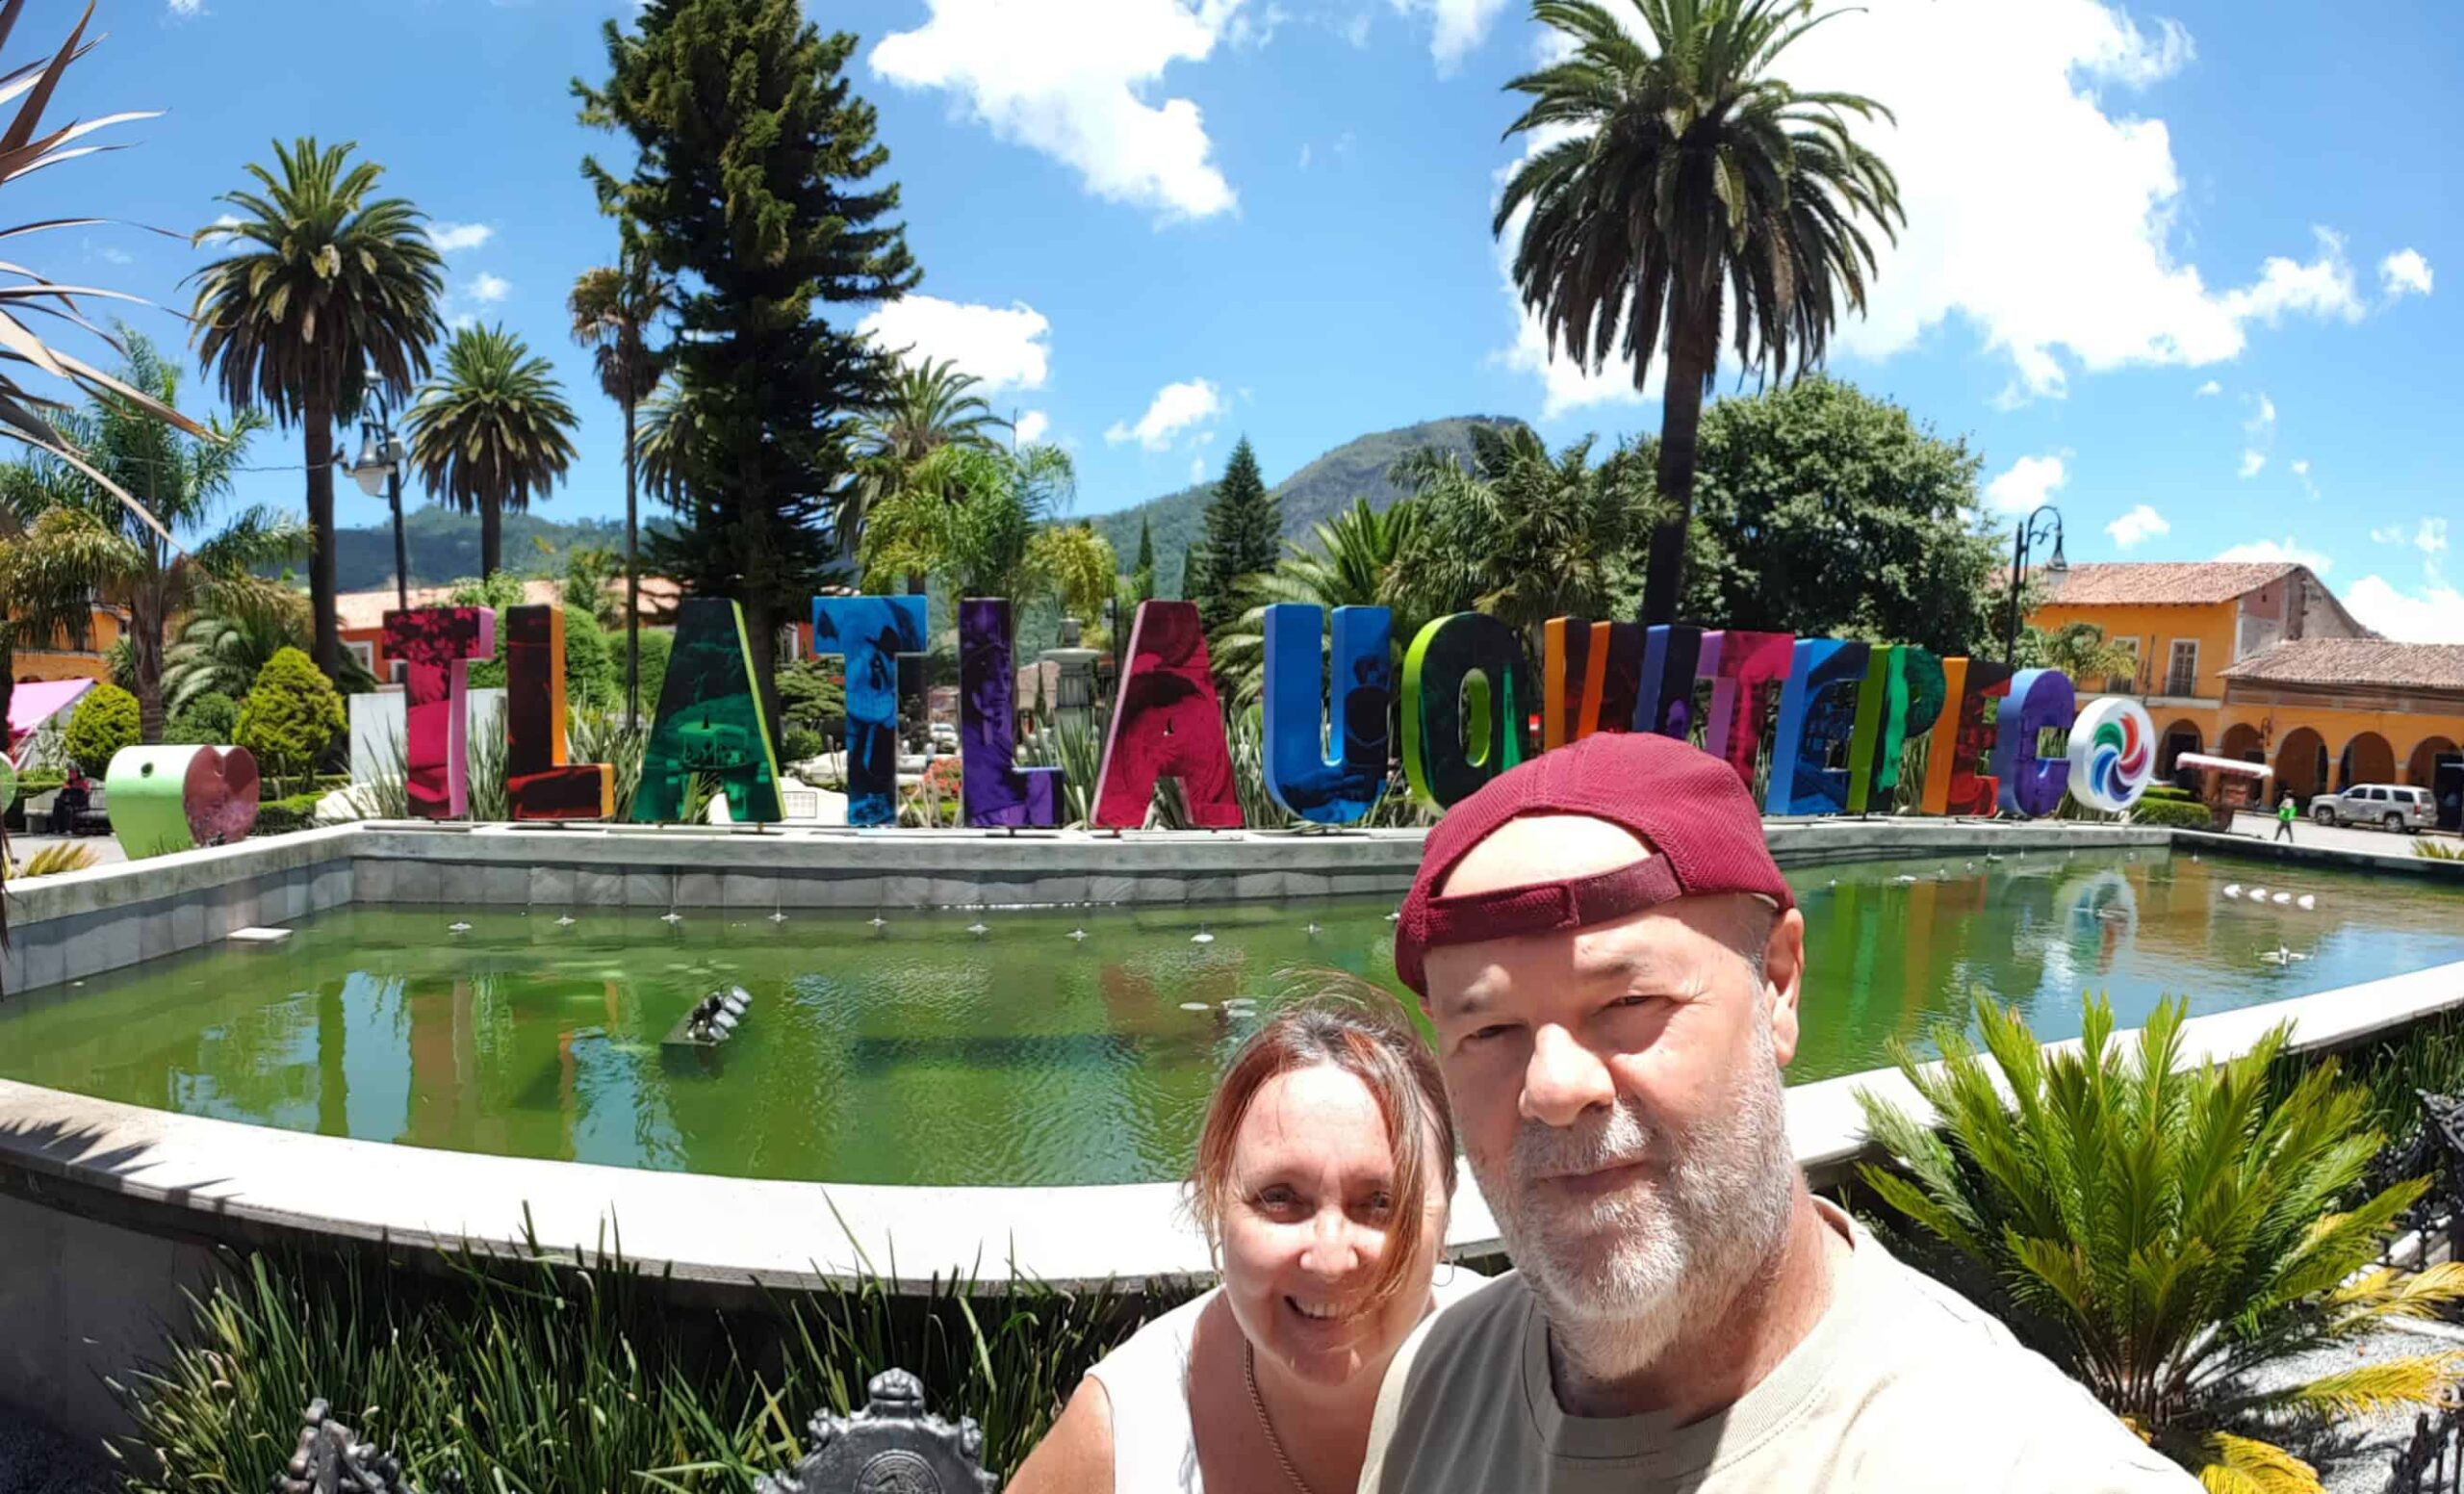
(492,433)
(2169,1233)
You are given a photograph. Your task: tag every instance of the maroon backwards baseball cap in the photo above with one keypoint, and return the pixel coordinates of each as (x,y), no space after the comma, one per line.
(1691,809)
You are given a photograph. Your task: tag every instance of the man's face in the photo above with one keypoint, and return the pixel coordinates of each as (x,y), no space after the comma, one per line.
(1617,1088)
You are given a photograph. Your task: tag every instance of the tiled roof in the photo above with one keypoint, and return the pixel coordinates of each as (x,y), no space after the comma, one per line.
(2358,661)
(2161,583)
(365,611)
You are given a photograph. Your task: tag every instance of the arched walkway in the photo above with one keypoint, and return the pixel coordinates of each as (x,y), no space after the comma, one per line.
(2367,760)
(2301,763)
(2242,740)
(2177,739)
(2421,767)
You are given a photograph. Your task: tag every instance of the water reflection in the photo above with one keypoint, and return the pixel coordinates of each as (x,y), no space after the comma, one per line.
(915,1052)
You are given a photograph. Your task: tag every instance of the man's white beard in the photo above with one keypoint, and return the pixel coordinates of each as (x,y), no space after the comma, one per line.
(1625,1275)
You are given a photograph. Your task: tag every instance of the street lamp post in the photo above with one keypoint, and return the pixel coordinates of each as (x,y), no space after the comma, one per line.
(379,468)
(2031,532)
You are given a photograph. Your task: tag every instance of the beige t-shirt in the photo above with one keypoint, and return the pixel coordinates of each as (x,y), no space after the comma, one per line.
(1904,1387)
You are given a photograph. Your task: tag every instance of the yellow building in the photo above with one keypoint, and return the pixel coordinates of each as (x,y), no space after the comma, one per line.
(65,656)
(2261,661)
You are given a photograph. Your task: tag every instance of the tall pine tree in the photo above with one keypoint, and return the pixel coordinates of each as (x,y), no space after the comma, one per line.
(1244,536)
(754,182)
(1142,578)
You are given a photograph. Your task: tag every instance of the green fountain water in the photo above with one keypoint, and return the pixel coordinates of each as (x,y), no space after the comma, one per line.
(918,1052)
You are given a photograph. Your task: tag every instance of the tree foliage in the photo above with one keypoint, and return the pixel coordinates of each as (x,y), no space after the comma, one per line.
(2169,1233)
(1244,536)
(755,185)
(207,721)
(931,406)
(972,516)
(104,722)
(1823,511)
(322,289)
(1676,180)
(181,479)
(1521,533)
(291,717)
(1349,561)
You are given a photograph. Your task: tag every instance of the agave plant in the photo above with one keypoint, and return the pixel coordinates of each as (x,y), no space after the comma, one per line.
(50,861)
(2168,1232)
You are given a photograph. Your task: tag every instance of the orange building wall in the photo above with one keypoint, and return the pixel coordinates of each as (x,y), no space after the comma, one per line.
(2214,624)
(67,663)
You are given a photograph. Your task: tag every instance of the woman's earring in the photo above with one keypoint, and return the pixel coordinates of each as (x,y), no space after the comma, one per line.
(1447,1263)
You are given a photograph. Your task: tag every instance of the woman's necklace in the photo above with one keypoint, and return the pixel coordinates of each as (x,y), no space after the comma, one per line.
(1258,1404)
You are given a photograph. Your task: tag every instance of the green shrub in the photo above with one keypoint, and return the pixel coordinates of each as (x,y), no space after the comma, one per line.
(658,644)
(2173,813)
(34,781)
(105,721)
(573,1377)
(812,694)
(207,721)
(802,743)
(290,718)
(2168,1233)
(290,811)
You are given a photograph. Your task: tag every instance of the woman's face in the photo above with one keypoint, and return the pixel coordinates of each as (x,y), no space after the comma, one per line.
(1310,1217)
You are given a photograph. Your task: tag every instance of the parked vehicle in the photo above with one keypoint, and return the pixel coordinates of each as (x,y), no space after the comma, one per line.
(2393,806)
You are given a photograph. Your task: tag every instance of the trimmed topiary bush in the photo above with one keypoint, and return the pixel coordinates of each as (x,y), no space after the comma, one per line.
(2173,813)
(207,721)
(290,718)
(105,722)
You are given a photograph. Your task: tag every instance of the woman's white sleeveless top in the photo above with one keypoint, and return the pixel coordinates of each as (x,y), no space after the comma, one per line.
(1147,1379)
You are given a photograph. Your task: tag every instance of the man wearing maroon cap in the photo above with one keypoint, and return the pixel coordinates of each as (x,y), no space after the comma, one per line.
(1612,961)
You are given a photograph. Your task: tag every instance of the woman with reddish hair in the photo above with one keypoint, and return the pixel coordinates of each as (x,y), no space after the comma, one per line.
(1325,1171)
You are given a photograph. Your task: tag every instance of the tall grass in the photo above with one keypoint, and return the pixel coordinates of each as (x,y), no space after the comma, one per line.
(572,1374)
(607,737)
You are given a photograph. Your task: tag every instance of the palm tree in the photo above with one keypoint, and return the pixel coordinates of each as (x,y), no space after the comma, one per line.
(670,424)
(973,515)
(1520,534)
(613,311)
(493,431)
(178,479)
(1350,562)
(1693,184)
(326,294)
(930,407)
(229,640)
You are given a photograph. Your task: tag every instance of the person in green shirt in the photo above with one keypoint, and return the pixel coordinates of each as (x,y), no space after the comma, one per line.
(2284,819)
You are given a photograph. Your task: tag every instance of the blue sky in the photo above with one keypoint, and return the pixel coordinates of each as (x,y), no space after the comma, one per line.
(2177,268)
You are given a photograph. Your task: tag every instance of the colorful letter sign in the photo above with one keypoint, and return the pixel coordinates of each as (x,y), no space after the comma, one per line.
(1167,723)
(1901,700)
(872,632)
(1963,740)
(1753,668)
(1817,720)
(1590,673)
(709,722)
(436,646)
(1466,697)
(994,789)
(2113,754)
(540,783)
(1664,700)
(2040,700)
(165,799)
(1327,776)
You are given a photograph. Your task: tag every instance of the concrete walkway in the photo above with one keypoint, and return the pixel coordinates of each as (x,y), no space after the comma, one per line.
(2338,838)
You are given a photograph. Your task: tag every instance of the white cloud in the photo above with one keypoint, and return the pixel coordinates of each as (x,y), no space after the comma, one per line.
(220,227)
(2030,481)
(1197,469)
(1176,408)
(2041,203)
(2404,273)
(2261,430)
(186,9)
(461,321)
(2139,523)
(2253,463)
(2210,388)
(489,288)
(1068,78)
(1031,427)
(2433,614)
(2432,538)
(1356,30)
(115,256)
(452,237)
(1460,25)
(2321,288)
(1003,345)
(2301,469)
(2287,550)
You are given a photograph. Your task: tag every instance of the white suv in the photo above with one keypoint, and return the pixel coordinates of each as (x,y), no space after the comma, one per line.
(2391,805)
